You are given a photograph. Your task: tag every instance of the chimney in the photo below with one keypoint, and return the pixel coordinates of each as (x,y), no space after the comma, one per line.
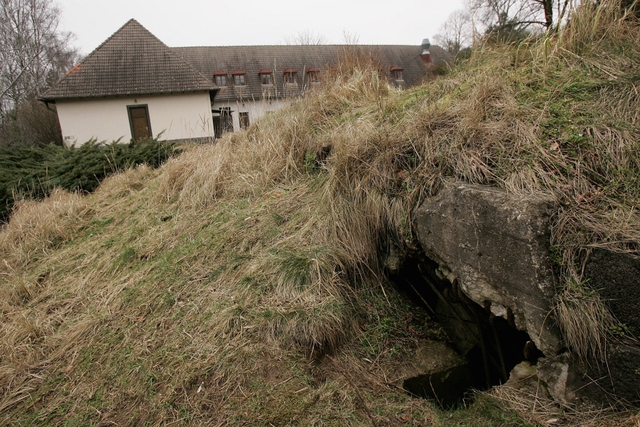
(426,55)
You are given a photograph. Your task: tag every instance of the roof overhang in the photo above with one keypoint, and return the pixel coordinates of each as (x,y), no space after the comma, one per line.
(52,100)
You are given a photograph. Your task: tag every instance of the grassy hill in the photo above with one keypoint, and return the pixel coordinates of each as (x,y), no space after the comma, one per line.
(243,283)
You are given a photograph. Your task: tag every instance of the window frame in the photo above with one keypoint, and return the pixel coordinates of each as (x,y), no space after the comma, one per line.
(290,76)
(397,73)
(239,76)
(266,79)
(221,80)
(313,76)
(266,74)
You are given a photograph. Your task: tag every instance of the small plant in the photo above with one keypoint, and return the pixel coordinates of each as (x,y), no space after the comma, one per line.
(620,330)
(310,162)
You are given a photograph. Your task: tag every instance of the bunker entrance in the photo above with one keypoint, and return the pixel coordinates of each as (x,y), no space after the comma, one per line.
(491,346)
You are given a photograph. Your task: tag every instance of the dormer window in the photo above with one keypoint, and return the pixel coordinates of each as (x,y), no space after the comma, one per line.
(239,78)
(397,73)
(290,76)
(266,78)
(313,75)
(220,78)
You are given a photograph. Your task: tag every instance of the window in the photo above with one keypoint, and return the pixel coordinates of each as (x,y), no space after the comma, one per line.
(313,76)
(397,73)
(244,120)
(221,80)
(238,80)
(220,77)
(290,76)
(265,79)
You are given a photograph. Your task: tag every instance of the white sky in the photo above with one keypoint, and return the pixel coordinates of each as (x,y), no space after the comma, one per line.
(257,22)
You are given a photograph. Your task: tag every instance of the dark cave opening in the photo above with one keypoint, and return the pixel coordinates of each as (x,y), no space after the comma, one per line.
(491,345)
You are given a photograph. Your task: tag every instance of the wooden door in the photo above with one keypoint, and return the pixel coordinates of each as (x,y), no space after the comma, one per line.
(140,125)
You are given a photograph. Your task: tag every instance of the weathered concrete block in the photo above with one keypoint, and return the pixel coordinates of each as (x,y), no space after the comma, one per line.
(496,245)
(439,373)
(616,277)
(570,381)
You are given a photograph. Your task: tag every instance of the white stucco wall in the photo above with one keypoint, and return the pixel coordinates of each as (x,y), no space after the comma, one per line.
(256,109)
(178,116)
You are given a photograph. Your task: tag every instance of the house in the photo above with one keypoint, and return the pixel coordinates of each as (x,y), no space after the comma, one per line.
(133,86)
(254,80)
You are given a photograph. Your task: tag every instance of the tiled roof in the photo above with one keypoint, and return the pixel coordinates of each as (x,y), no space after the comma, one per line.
(130,62)
(256,59)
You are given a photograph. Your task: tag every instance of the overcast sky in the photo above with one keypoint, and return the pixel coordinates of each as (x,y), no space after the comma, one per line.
(257,22)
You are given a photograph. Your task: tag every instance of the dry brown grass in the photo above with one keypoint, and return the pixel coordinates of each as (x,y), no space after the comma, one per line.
(208,291)
(541,411)
(37,227)
(585,322)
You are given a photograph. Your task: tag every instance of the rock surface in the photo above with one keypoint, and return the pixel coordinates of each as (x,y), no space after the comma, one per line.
(523,375)
(616,277)
(570,381)
(496,247)
(438,373)
(558,376)
(487,251)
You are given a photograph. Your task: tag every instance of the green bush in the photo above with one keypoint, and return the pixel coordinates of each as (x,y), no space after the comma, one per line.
(33,172)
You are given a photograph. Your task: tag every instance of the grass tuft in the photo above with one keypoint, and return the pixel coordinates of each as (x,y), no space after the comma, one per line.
(585,322)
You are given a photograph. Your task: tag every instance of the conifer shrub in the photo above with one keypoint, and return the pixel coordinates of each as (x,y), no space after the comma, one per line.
(34,172)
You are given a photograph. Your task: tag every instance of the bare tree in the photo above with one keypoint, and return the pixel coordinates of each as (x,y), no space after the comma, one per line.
(503,17)
(456,33)
(516,16)
(547,9)
(306,38)
(33,52)
(33,55)
(350,39)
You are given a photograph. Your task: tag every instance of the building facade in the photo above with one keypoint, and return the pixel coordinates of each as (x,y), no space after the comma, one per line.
(134,87)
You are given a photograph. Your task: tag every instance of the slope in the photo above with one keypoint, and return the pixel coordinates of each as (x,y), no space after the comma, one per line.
(243,282)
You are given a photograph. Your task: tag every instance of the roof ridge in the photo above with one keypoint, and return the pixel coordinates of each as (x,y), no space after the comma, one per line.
(294,46)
